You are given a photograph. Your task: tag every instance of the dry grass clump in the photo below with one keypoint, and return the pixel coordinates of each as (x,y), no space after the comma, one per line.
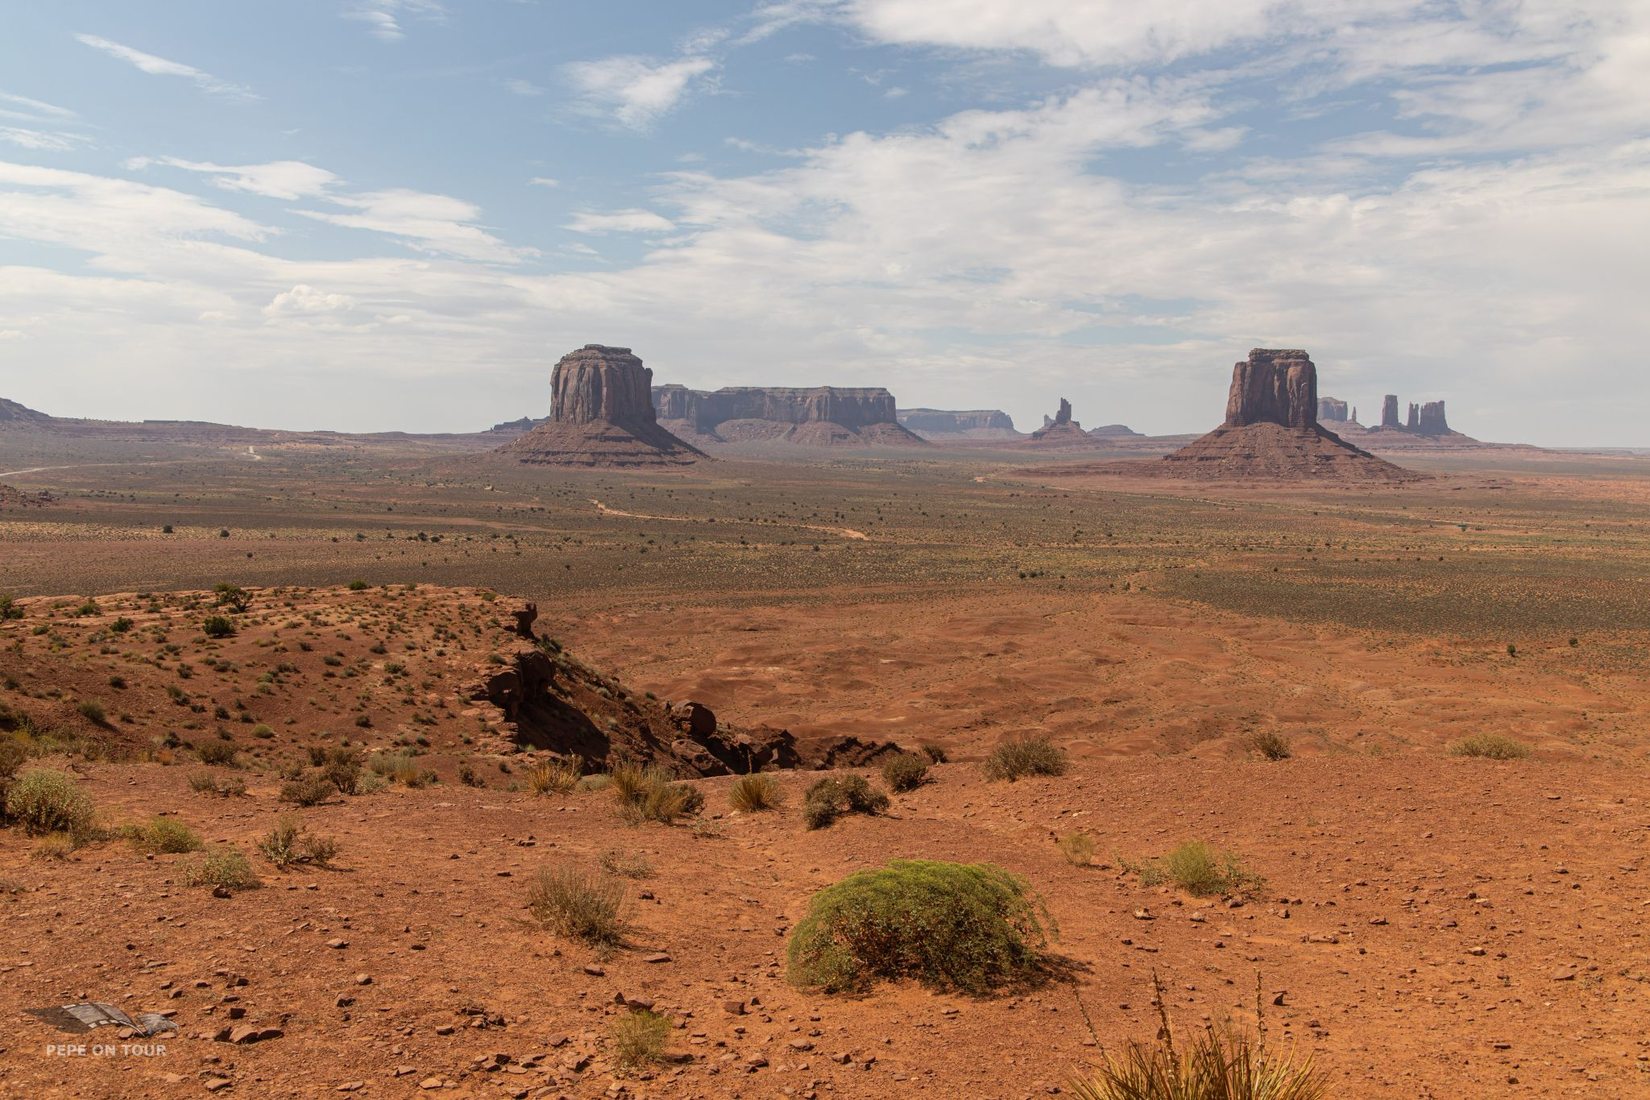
(1078,848)
(289,842)
(833,796)
(624,864)
(1022,756)
(166,835)
(1220,1063)
(307,790)
(46,801)
(220,866)
(1490,746)
(207,783)
(972,927)
(756,792)
(559,776)
(639,1038)
(1200,870)
(652,793)
(1271,744)
(53,846)
(578,905)
(217,752)
(905,772)
(936,753)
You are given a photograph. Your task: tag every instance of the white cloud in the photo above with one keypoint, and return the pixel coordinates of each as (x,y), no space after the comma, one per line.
(35,108)
(383,17)
(281,179)
(436,224)
(544,181)
(38,139)
(160,66)
(305,300)
(635,91)
(620,221)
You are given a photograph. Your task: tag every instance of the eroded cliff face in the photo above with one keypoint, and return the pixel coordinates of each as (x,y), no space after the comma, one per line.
(821,415)
(949,422)
(1274,386)
(601,414)
(1331,410)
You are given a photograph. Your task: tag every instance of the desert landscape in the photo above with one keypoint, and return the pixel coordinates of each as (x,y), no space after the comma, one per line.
(332,709)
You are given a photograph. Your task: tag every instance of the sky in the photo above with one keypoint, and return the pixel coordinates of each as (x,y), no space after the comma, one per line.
(373,215)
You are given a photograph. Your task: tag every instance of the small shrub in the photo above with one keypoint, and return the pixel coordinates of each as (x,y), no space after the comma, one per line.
(833,796)
(1271,744)
(1201,871)
(289,842)
(217,752)
(756,792)
(1219,1063)
(307,790)
(1490,746)
(1022,756)
(578,905)
(167,835)
(207,783)
(47,801)
(217,626)
(555,776)
(232,596)
(342,768)
(639,1038)
(395,766)
(9,608)
(616,862)
(220,865)
(53,846)
(972,927)
(905,772)
(936,754)
(1078,848)
(357,586)
(92,711)
(652,794)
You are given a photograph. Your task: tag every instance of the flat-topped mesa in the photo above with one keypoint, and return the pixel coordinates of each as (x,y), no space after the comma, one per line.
(825,415)
(1274,386)
(1331,410)
(949,422)
(601,414)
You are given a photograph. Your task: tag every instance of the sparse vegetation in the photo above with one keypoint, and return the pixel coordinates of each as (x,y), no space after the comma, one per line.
(217,752)
(290,842)
(756,792)
(92,711)
(558,776)
(639,1038)
(224,787)
(398,767)
(833,796)
(1078,848)
(217,626)
(936,753)
(1271,745)
(9,608)
(1199,870)
(1022,756)
(652,793)
(53,846)
(166,835)
(46,801)
(1490,746)
(578,905)
(972,927)
(905,772)
(307,790)
(625,864)
(220,866)
(232,596)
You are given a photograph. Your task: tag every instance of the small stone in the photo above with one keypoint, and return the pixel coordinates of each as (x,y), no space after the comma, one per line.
(216,1084)
(337,945)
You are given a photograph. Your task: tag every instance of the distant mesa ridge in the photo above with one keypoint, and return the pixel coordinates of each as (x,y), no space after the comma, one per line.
(980,423)
(601,414)
(810,416)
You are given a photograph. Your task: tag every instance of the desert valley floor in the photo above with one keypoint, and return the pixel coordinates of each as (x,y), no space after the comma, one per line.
(1430,924)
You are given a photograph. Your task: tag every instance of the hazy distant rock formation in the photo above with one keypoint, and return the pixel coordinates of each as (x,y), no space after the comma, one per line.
(601,414)
(827,416)
(1272,431)
(1115,431)
(13,413)
(1389,411)
(940,424)
(1332,410)
(1426,419)
(1061,431)
(516,427)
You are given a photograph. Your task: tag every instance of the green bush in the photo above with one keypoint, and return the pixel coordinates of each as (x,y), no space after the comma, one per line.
(1490,746)
(217,752)
(1200,870)
(832,797)
(972,927)
(755,793)
(639,1038)
(290,842)
(167,835)
(578,905)
(905,772)
(217,626)
(220,865)
(232,596)
(1022,756)
(47,801)
(9,608)
(357,586)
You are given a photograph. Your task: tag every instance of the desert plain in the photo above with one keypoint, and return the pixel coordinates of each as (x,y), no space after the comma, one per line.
(1419,922)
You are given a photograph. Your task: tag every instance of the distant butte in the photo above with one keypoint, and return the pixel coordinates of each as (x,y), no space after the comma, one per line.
(820,416)
(601,415)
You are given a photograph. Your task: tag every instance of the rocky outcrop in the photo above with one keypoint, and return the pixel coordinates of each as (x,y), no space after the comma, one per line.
(971,424)
(1061,430)
(1389,411)
(1425,419)
(1432,420)
(11,413)
(820,416)
(1273,387)
(1115,431)
(1331,410)
(601,415)
(1272,431)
